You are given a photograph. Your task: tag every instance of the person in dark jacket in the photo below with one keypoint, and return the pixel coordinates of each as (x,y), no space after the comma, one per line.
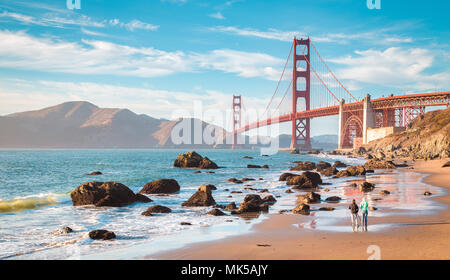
(354,212)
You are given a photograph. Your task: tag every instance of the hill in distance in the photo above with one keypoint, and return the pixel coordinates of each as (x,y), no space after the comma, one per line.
(81,124)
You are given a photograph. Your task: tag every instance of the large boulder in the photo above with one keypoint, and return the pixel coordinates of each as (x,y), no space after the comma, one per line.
(251,203)
(310,197)
(102,234)
(306,180)
(379,164)
(352,171)
(304,166)
(100,194)
(301,209)
(194,160)
(203,197)
(161,186)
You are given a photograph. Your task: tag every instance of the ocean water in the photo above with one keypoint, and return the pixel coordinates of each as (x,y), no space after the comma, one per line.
(35,188)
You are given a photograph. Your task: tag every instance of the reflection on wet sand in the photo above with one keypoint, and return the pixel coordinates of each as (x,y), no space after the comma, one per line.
(405,195)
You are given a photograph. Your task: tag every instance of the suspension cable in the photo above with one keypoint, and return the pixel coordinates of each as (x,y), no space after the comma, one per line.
(279,81)
(332,72)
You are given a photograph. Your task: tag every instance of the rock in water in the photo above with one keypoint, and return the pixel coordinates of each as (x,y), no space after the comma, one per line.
(269,199)
(339,164)
(203,197)
(322,165)
(352,171)
(95,173)
(330,171)
(161,186)
(427,193)
(310,197)
(156,209)
(142,198)
(333,199)
(301,209)
(251,203)
(304,166)
(286,176)
(216,212)
(102,234)
(366,187)
(64,230)
(306,180)
(111,194)
(194,160)
(447,164)
(379,164)
(231,206)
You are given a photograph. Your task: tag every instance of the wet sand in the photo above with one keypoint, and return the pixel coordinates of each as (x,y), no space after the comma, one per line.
(407,237)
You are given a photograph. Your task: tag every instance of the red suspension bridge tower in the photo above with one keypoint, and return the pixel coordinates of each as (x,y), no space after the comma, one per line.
(237,107)
(301,89)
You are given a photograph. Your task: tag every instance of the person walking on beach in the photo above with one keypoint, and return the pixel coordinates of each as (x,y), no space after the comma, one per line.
(364,212)
(354,211)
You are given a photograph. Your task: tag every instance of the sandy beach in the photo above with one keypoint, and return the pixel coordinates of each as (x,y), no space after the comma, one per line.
(407,237)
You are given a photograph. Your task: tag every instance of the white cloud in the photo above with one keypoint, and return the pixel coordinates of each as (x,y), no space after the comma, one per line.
(217,15)
(394,67)
(56,20)
(134,24)
(19,50)
(379,36)
(245,64)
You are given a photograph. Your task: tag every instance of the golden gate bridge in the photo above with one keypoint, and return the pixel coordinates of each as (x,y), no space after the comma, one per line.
(317,92)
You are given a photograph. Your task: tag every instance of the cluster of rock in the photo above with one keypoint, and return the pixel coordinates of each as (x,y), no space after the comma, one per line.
(194,160)
(110,194)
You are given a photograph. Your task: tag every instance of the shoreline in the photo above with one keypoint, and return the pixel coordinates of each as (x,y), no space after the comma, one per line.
(277,238)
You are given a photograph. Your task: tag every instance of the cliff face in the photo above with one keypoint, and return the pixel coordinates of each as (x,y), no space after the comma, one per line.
(428,136)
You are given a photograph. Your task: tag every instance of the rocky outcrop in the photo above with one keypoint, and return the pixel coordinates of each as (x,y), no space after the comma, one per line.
(310,197)
(379,164)
(194,160)
(427,137)
(100,194)
(142,198)
(352,171)
(156,209)
(302,209)
(306,180)
(366,187)
(203,197)
(304,166)
(102,234)
(161,186)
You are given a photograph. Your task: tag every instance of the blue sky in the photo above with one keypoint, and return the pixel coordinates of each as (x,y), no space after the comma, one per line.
(157,57)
